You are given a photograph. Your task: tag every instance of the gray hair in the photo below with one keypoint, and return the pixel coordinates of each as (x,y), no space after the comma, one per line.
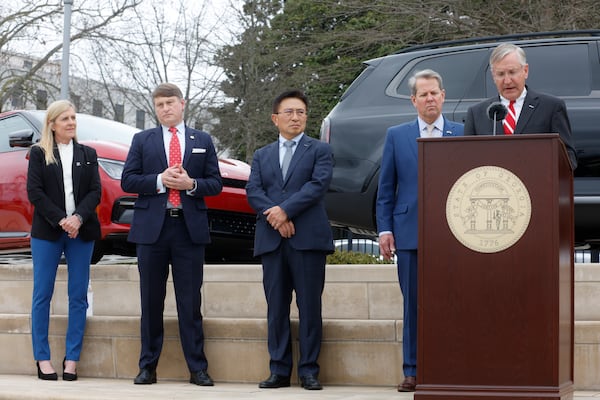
(505,49)
(424,74)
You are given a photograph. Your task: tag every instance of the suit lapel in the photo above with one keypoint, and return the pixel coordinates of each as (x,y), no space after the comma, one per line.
(303,145)
(156,140)
(189,145)
(529,106)
(447,129)
(58,174)
(273,159)
(412,136)
(78,159)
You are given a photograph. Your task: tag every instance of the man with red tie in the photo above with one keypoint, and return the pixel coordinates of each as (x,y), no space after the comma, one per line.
(171,168)
(528,111)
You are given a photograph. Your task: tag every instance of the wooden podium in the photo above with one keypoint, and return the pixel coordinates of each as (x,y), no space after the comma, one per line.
(495,318)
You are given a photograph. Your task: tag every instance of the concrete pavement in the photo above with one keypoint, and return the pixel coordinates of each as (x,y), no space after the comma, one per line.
(23,387)
(28,387)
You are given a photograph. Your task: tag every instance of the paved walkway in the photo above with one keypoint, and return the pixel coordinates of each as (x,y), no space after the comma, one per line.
(23,387)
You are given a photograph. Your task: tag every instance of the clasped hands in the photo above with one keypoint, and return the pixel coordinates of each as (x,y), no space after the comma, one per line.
(278,219)
(71,225)
(176,177)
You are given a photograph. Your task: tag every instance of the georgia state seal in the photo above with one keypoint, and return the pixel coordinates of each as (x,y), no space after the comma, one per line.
(488,209)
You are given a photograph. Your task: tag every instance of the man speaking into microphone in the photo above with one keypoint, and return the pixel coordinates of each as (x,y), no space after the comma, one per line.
(527,111)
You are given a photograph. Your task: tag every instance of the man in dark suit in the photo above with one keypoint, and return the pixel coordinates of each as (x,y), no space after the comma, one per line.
(287,186)
(528,111)
(396,206)
(171,168)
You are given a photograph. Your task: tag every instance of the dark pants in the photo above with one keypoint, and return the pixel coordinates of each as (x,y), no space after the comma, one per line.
(286,270)
(187,260)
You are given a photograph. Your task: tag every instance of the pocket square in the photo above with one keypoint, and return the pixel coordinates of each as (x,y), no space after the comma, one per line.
(198,150)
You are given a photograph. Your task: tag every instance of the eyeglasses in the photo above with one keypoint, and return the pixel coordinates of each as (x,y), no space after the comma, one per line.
(511,73)
(289,112)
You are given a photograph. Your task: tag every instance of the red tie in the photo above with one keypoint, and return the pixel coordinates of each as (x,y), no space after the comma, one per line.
(511,119)
(174,158)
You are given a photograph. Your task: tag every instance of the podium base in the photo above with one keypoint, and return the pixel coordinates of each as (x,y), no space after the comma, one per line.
(458,392)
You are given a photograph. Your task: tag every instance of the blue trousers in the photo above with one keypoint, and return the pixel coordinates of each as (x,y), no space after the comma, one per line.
(46,256)
(303,271)
(174,246)
(407,276)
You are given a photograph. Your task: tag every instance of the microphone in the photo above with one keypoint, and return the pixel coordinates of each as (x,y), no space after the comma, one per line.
(496,111)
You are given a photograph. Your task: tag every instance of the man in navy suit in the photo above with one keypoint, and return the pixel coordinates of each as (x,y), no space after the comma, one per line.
(171,168)
(532,112)
(287,186)
(397,200)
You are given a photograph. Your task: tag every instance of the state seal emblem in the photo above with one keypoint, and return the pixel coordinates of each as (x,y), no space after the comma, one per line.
(488,209)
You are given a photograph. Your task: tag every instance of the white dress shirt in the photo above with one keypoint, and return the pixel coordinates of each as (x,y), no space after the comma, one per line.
(66,159)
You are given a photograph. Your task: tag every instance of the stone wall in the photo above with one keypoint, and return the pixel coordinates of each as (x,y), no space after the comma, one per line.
(362,325)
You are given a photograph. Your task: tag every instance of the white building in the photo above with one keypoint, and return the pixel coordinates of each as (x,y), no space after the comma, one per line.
(88,96)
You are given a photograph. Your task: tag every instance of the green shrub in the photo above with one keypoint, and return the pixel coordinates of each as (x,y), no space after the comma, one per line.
(351,257)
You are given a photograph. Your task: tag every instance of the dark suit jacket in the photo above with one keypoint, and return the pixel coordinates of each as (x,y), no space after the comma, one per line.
(396,207)
(541,113)
(146,160)
(300,195)
(46,191)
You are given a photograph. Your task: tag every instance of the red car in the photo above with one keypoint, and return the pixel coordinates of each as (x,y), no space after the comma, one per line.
(231,218)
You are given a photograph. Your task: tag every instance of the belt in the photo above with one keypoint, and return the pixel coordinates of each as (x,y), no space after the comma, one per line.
(174,212)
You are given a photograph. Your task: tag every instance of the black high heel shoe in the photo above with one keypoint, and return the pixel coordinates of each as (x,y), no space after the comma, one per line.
(53,376)
(67,376)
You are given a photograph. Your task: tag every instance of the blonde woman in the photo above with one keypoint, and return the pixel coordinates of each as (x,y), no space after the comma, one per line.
(63,185)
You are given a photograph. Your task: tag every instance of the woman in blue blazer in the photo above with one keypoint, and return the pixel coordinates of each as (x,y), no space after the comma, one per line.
(63,186)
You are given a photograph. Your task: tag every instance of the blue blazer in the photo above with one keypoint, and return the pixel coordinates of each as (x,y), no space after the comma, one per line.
(146,160)
(300,195)
(398,182)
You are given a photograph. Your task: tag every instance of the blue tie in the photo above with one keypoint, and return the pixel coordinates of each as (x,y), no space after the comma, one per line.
(287,157)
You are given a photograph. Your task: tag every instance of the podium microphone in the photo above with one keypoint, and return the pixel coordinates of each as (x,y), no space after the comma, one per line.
(496,112)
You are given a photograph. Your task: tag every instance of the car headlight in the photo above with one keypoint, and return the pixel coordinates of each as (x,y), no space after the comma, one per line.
(113,168)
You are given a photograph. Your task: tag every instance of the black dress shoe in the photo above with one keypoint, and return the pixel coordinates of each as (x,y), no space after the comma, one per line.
(201,378)
(310,382)
(67,376)
(275,381)
(146,376)
(53,376)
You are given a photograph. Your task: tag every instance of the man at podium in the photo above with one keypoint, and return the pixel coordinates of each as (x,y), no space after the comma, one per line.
(526,111)
(397,215)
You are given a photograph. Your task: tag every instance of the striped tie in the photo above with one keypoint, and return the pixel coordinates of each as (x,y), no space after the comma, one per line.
(511,119)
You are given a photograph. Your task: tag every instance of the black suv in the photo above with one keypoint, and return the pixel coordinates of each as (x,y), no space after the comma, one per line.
(565,64)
